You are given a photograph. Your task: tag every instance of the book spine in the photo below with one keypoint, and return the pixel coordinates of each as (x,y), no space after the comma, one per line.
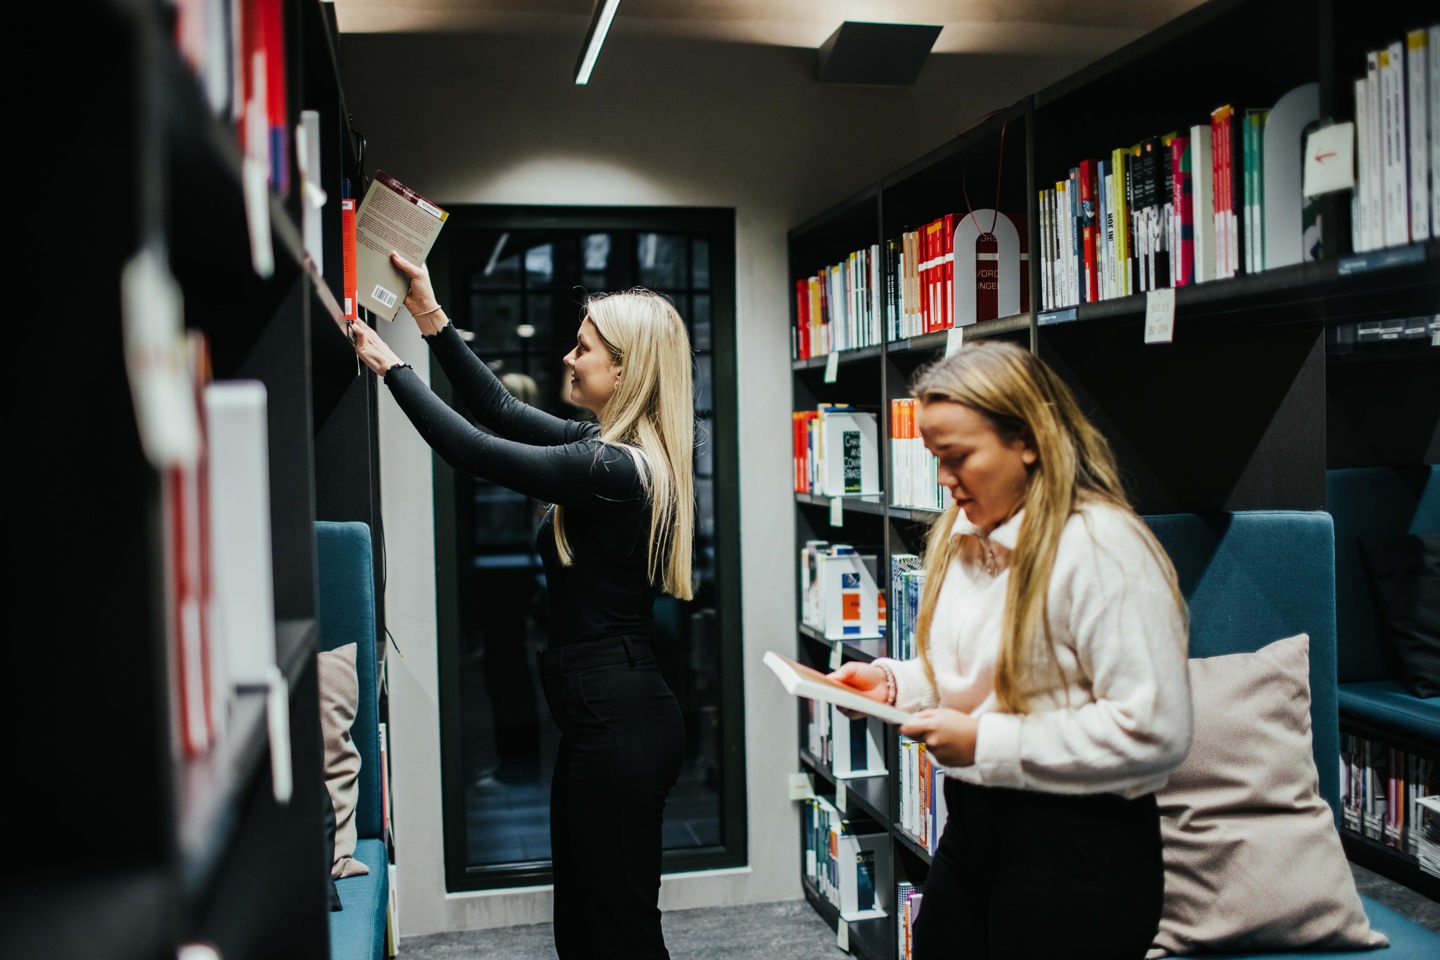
(1395,181)
(1182,232)
(1433,110)
(1416,65)
(347,250)
(1090,284)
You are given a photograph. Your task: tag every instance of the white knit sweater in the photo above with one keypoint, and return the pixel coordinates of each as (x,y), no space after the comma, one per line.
(1115,718)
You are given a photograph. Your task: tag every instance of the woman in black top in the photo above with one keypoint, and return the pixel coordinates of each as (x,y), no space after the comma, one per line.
(621,529)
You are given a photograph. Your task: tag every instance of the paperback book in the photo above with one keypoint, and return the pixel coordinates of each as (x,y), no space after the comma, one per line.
(810,684)
(391,217)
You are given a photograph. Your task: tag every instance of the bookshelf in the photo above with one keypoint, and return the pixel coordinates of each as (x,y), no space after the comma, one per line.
(1267,383)
(143,847)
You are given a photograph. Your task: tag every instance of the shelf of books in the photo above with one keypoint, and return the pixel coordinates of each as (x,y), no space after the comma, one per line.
(1206,259)
(174,530)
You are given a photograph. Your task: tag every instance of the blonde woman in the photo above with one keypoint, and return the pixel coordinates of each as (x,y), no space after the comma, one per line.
(622,528)
(1051,683)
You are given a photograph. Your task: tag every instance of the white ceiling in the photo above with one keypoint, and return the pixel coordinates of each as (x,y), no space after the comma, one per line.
(969,26)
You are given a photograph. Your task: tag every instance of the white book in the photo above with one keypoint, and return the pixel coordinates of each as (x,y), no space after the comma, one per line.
(1359,207)
(241,559)
(1433,102)
(1202,187)
(1418,134)
(1374,187)
(810,684)
(1395,180)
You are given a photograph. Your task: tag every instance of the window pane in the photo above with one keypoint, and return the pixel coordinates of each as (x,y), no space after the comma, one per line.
(704,395)
(495,318)
(700,321)
(700,263)
(502,268)
(704,448)
(539,265)
(661,259)
(595,263)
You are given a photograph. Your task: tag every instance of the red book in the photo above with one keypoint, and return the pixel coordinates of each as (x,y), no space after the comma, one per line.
(1227,226)
(947,242)
(802,319)
(185,493)
(347,252)
(277,103)
(1089,231)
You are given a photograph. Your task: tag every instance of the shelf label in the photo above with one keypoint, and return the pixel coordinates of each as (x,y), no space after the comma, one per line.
(954,337)
(1160,315)
(836,657)
(832,367)
(1382,259)
(1056,316)
(837,512)
(842,934)
(840,794)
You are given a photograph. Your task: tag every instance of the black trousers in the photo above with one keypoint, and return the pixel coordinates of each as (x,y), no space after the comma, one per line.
(1022,874)
(621,744)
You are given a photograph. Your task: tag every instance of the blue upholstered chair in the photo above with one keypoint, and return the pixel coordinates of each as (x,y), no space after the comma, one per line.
(1251,577)
(346,585)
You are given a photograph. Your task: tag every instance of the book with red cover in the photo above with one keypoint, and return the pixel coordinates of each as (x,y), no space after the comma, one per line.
(347,249)
(1089,231)
(1225,143)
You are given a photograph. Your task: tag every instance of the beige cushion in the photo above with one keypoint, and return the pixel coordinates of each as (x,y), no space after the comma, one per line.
(339,702)
(1253,861)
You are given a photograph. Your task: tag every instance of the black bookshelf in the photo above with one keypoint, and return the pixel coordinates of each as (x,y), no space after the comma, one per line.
(1264,386)
(137,849)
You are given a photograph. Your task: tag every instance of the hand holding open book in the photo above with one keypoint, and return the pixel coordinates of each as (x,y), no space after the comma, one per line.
(802,681)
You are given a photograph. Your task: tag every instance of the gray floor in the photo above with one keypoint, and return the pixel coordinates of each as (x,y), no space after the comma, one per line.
(791,930)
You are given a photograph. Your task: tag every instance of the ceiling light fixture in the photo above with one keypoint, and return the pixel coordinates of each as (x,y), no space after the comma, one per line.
(599,26)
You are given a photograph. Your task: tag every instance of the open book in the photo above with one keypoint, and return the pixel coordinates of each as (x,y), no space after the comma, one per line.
(391,217)
(802,681)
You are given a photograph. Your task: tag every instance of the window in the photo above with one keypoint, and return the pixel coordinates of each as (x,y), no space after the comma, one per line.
(517,278)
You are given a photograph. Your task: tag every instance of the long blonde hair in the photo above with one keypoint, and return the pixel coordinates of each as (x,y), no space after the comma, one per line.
(652,411)
(1023,399)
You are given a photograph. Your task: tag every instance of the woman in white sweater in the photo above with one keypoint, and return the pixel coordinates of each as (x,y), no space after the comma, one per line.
(1051,683)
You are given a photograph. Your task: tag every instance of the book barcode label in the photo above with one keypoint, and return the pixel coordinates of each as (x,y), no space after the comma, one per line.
(383,295)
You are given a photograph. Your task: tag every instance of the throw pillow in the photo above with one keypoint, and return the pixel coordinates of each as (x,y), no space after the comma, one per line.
(1405,582)
(335,902)
(1253,861)
(339,702)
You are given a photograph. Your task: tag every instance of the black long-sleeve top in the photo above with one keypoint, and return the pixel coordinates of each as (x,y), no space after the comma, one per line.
(606,591)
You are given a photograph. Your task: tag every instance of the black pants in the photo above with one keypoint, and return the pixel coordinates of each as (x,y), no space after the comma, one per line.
(621,744)
(1021,874)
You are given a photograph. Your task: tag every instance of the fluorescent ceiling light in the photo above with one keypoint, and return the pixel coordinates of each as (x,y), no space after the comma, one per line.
(599,26)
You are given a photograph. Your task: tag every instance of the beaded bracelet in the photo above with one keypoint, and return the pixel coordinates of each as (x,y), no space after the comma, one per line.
(889,684)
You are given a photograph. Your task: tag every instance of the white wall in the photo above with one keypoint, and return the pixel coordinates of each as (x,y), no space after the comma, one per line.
(498,120)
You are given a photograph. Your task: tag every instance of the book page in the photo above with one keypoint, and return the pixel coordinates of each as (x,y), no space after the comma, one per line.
(811,684)
(391,217)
